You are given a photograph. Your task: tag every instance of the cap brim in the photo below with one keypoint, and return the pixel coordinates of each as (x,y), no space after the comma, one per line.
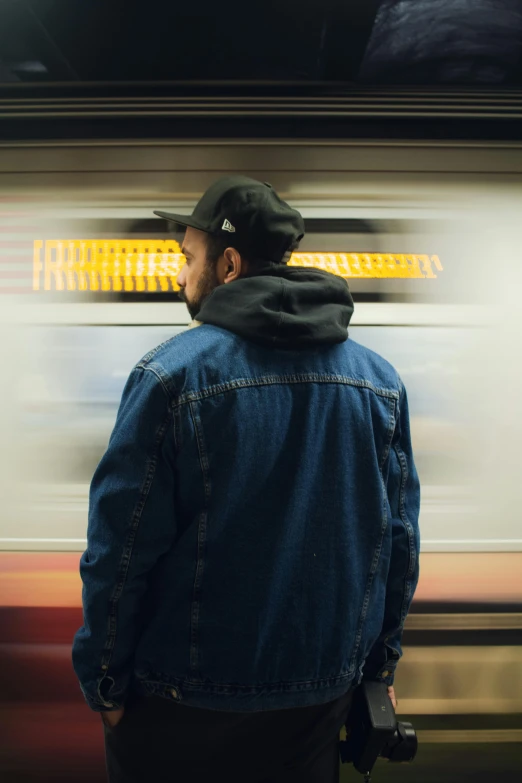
(181,220)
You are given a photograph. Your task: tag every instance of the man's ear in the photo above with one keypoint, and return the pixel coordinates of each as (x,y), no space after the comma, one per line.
(232,265)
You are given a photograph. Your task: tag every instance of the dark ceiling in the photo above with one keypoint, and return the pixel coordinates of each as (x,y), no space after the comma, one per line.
(376,42)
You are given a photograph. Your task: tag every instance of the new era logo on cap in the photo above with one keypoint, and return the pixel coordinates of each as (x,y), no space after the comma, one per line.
(227,226)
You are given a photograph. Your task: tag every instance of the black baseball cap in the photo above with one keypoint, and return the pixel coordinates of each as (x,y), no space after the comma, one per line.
(251,213)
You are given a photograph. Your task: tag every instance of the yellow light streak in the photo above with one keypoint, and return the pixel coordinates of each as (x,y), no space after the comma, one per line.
(148,265)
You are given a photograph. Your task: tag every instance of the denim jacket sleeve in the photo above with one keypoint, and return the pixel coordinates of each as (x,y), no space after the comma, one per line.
(131,524)
(403,491)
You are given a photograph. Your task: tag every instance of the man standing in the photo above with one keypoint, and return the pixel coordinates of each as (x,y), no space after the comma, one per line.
(253,526)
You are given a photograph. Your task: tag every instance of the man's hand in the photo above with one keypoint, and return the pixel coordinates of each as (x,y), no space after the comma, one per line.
(111,719)
(391,694)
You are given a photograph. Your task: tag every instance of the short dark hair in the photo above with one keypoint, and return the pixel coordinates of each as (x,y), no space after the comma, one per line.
(216,246)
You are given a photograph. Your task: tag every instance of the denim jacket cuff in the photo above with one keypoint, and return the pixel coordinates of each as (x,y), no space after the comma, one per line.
(386,674)
(98,706)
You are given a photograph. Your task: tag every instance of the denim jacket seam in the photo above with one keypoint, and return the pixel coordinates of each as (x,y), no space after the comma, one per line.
(161,375)
(201,541)
(257,686)
(166,385)
(272,380)
(366,599)
(409,532)
(391,664)
(128,550)
(392,424)
(384,524)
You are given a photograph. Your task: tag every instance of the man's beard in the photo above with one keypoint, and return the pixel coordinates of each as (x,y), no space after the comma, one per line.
(206,284)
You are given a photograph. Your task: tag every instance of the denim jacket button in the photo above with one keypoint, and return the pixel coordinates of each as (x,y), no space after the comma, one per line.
(174,693)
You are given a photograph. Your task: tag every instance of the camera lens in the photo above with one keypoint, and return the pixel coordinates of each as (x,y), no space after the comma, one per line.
(403,745)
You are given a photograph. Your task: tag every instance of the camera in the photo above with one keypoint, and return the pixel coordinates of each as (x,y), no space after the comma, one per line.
(372,730)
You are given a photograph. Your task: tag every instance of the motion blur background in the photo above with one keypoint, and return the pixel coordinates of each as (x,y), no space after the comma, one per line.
(395,128)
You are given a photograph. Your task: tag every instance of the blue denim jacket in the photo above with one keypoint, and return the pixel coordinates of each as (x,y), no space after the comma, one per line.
(253,527)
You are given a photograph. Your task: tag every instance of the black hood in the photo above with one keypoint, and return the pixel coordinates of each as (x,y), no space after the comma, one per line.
(283,307)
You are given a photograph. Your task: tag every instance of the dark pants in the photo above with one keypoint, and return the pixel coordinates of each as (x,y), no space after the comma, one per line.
(159,741)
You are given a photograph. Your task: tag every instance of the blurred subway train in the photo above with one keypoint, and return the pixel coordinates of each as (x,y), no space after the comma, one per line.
(452,327)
